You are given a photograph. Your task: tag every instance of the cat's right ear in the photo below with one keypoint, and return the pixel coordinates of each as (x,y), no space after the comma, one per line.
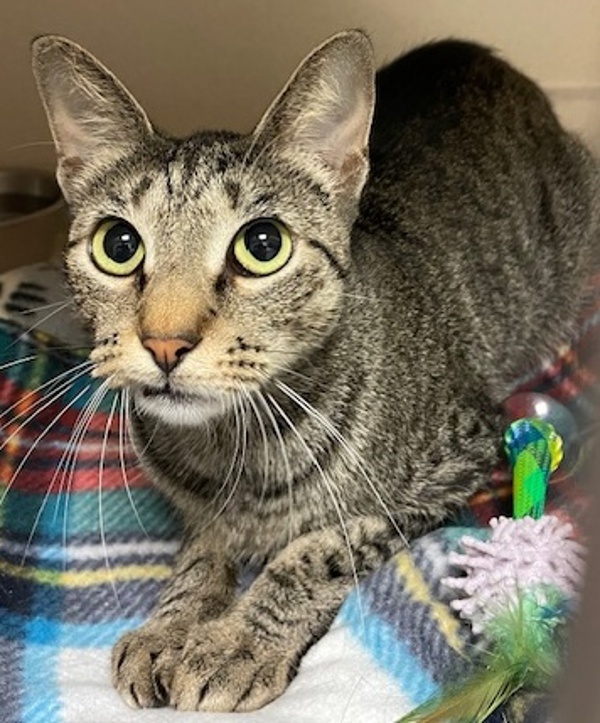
(322,118)
(93,117)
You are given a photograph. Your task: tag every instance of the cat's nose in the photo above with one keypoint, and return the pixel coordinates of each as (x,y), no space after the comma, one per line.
(167,353)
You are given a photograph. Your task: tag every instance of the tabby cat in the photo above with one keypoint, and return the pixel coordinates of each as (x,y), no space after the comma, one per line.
(317,323)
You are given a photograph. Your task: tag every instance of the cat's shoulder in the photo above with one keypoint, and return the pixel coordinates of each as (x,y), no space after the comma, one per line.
(444,64)
(450,83)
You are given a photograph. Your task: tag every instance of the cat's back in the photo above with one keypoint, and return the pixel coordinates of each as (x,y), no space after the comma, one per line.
(482,199)
(445,92)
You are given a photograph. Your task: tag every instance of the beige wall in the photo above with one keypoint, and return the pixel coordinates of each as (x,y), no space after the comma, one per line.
(217,63)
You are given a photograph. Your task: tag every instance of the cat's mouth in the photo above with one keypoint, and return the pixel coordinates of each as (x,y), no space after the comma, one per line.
(179,407)
(166,392)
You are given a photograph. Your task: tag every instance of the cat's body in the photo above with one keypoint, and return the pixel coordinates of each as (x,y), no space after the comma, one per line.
(367,373)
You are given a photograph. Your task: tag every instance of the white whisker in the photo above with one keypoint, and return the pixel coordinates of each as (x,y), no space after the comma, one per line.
(32,448)
(54,396)
(244,170)
(242,457)
(299,375)
(70,448)
(14,362)
(264,438)
(286,461)
(140,453)
(81,427)
(122,422)
(83,367)
(336,434)
(39,323)
(234,461)
(330,490)
(357,296)
(101,467)
(32,144)
(54,476)
(36,309)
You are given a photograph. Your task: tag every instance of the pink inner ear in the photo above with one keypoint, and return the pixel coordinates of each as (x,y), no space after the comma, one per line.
(353,165)
(348,137)
(72,142)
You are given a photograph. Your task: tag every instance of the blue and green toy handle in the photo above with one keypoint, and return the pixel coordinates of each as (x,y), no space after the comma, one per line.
(519,617)
(535,450)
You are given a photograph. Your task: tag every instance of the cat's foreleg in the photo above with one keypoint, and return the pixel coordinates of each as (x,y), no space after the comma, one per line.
(201,587)
(247,657)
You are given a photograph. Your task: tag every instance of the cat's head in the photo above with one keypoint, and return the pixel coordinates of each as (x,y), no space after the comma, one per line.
(205,266)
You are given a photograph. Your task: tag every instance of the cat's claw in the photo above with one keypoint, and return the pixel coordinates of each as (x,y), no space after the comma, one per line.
(224,669)
(143,662)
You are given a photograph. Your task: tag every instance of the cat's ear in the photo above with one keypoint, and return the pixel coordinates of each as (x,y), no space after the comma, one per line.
(93,118)
(323,115)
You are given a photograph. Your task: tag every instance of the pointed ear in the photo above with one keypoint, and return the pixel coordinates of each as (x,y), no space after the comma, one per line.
(93,118)
(323,115)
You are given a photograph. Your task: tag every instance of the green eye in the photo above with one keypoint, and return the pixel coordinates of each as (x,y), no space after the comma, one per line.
(117,248)
(262,247)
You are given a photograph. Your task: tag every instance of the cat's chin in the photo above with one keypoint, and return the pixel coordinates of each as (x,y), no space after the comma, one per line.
(177,409)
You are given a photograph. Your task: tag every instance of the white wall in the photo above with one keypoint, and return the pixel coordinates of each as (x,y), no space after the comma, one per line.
(218,63)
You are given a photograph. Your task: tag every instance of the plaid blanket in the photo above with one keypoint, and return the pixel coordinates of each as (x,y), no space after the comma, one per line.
(86,543)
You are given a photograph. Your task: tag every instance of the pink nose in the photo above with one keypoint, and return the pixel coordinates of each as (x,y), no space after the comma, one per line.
(167,353)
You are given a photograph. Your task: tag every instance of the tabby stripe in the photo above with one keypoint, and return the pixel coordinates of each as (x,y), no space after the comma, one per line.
(233,191)
(258,626)
(260,201)
(170,160)
(71,242)
(31,286)
(324,458)
(140,190)
(270,613)
(318,190)
(25,296)
(190,162)
(116,199)
(335,264)
(15,308)
(285,581)
(334,569)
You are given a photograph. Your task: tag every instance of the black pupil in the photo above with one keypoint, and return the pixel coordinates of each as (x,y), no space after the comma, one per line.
(121,242)
(263,240)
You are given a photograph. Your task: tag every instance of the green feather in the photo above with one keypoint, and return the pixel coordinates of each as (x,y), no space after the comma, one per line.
(472,702)
(524,653)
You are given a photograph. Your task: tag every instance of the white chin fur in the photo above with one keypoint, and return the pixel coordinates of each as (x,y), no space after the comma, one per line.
(190,412)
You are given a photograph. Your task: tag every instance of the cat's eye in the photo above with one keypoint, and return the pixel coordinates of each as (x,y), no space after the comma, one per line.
(262,247)
(117,248)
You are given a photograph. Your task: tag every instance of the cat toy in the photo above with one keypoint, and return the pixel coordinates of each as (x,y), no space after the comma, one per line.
(519,583)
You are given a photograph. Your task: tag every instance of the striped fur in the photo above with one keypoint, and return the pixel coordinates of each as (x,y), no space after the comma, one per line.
(61,578)
(333,409)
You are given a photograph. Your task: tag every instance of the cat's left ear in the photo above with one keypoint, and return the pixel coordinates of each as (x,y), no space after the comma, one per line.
(322,118)
(93,117)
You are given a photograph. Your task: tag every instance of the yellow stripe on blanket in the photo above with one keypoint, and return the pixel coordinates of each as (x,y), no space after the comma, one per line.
(419,591)
(87,578)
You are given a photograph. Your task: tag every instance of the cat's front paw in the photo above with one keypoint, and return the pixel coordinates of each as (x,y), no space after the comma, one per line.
(225,667)
(143,662)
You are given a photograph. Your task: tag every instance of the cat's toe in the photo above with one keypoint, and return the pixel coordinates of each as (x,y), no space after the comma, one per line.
(142,665)
(226,672)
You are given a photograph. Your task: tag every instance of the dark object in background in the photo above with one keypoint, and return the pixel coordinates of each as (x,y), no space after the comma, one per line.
(33,217)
